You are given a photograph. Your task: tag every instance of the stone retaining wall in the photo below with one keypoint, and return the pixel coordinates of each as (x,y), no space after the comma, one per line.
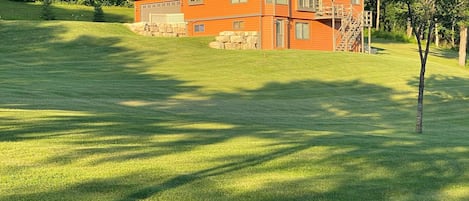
(159,29)
(236,40)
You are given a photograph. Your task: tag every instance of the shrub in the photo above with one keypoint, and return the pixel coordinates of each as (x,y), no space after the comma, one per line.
(394,36)
(98,12)
(24,0)
(47,13)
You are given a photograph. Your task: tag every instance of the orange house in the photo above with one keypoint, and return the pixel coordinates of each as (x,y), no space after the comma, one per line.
(297,24)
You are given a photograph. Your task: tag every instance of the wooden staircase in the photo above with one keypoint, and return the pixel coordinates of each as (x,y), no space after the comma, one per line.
(350,32)
(349,36)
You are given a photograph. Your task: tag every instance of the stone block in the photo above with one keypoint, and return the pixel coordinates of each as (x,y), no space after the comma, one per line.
(216,45)
(228,33)
(222,39)
(252,39)
(237,39)
(229,46)
(169,29)
(253,33)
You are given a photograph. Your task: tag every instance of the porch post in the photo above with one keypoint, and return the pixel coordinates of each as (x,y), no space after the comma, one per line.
(333,27)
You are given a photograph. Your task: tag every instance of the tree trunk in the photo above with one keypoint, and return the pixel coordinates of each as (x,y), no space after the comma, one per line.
(409,28)
(378,8)
(418,32)
(462,45)
(423,63)
(437,36)
(452,34)
(419,124)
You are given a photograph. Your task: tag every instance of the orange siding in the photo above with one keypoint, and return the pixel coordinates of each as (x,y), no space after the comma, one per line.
(281,10)
(214,27)
(300,43)
(220,8)
(267,33)
(322,35)
(219,15)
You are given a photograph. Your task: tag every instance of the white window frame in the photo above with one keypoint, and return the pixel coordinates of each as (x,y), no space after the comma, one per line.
(238,25)
(238,1)
(302,30)
(195,2)
(199,28)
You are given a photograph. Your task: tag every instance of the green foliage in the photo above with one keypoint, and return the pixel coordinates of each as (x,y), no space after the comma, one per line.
(23,0)
(125,3)
(47,13)
(98,11)
(392,36)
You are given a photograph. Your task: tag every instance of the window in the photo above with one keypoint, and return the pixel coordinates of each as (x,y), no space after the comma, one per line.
(302,30)
(284,2)
(195,2)
(199,28)
(309,5)
(239,1)
(238,25)
(306,5)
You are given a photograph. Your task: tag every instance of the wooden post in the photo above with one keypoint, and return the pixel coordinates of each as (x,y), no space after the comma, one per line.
(363,39)
(333,27)
(369,40)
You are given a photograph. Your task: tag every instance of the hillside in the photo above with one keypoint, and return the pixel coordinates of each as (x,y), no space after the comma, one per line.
(91,111)
(12,10)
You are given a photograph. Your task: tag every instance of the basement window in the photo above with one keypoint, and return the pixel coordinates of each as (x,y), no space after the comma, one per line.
(283,2)
(239,1)
(199,28)
(195,2)
(238,25)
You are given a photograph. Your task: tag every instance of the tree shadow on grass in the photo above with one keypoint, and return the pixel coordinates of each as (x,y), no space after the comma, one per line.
(72,84)
(444,103)
(368,146)
(369,157)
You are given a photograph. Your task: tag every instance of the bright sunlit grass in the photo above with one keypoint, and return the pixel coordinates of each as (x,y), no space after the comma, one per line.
(91,111)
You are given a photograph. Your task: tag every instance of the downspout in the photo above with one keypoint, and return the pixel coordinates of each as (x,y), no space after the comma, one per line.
(260,23)
(274,39)
(288,23)
(333,27)
(362,3)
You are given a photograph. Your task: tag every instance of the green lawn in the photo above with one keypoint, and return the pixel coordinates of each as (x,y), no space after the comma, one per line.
(11,10)
(91,111)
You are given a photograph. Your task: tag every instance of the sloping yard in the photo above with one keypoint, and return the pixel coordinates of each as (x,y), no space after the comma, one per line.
(91,111)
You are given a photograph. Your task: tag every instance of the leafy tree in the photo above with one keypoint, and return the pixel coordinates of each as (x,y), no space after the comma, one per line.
(422,15)
(456,16)
(378,13)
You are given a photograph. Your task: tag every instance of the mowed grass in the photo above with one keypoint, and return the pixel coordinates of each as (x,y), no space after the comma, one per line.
(91,111)
(12,10)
